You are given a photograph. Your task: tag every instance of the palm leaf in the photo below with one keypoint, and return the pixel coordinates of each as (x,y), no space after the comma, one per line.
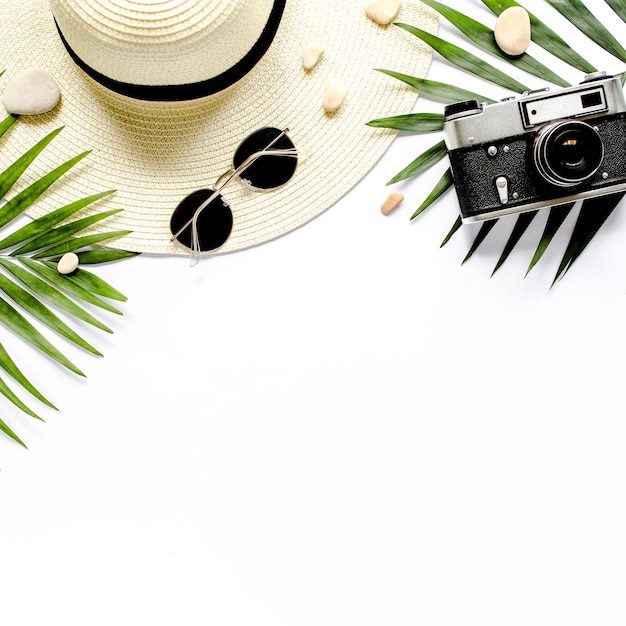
(27,281)
(465,60)
(26,301)
(592,216)
(556,217)
(545,37)
(53,295)
(4,427)
(97,285)
(78,243)
(44,223)
(455,228)
(579,15)
(63,233)
(6,391)
(16,322)
(426,160)
(11,175)
(443,185)
(103,255)
(437,90)
(411,122)
(619,6)
(67,284)
(25,198)
(485,229)
(6,123)
(522,223)
(484,38)
(9,366)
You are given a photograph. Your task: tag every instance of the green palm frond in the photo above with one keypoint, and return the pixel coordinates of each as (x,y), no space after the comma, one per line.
(32,291)
(594,212)
(579,15)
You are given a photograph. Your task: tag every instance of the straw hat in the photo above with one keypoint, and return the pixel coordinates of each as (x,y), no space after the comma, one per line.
(176,85)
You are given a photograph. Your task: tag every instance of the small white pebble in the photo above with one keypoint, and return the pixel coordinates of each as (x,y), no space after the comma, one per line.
(311,57)
(31,92)
(333,97)
(383,12)
(68,263)
(392,201)
(512,31)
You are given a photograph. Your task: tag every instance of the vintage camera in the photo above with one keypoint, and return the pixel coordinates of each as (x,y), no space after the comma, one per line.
(538,150)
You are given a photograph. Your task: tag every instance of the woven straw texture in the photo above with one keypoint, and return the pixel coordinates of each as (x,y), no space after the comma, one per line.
(154,153)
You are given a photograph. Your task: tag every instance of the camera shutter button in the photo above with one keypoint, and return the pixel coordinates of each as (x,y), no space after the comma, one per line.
(502,185)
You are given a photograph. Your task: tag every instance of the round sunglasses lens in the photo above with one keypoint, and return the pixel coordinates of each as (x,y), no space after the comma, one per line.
(214,223)
(268,171)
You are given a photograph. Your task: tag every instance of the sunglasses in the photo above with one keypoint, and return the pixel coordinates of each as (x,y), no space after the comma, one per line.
(264,160)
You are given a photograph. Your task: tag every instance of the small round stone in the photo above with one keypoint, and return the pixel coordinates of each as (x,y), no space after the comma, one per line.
(31,92)
(311,57)
(391,202)
(383,12)
(512,31)
(68,263)
(333,97)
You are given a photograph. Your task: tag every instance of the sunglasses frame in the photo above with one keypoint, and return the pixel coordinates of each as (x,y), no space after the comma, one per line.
(222,182)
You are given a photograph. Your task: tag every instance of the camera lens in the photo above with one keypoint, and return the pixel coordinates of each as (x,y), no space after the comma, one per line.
(567,154)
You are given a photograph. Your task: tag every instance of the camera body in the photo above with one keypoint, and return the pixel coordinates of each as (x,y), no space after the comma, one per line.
(538,150)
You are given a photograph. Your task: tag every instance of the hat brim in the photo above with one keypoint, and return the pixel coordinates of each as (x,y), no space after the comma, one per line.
(155,153)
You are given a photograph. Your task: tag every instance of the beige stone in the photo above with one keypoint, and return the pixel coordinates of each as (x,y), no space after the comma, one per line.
(311,57)
(512,31)
(31,92)
(383,12)
(68,263)
(333,97)
(391,202)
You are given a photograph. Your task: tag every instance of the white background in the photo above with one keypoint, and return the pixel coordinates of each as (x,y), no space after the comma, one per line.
(341,427)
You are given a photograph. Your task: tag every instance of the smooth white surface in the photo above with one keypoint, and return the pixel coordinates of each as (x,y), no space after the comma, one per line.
(341,427)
